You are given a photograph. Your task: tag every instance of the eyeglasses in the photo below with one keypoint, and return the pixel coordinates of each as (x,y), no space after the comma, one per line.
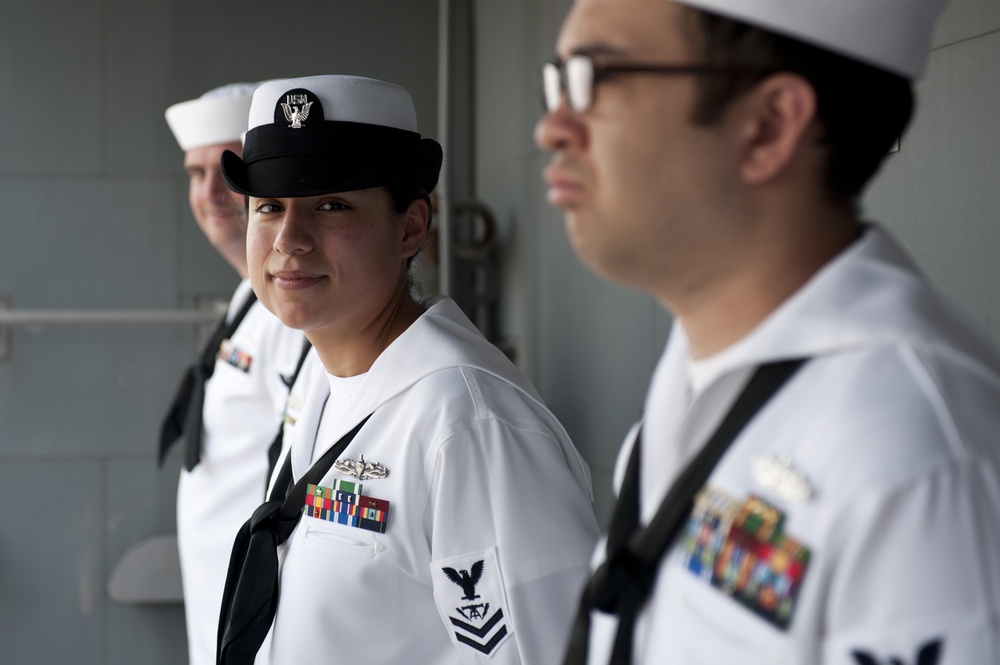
(579,75)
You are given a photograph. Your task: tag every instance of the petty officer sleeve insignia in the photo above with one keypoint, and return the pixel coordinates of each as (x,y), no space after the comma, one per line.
(927,654)
(470,597)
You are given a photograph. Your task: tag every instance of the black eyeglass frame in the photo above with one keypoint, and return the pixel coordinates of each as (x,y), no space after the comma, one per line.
(556,72)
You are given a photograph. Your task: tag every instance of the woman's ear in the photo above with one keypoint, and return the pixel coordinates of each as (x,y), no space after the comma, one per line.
(415,227)
(778,116)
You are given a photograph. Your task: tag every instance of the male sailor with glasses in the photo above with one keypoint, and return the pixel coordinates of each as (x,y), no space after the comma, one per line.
(817,469)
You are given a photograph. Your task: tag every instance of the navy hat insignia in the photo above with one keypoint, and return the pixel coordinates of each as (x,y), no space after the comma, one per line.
(296,106)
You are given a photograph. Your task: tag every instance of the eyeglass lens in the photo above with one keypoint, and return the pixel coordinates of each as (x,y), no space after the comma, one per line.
(575,77)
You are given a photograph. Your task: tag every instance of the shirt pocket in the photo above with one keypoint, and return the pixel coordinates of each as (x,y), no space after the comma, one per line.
(343,538)
(705,626)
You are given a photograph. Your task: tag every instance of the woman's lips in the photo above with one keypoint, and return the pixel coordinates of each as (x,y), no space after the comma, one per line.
(293,280)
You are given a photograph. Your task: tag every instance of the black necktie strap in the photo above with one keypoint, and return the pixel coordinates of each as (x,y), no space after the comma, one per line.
(274,450)
(250,598)
(184,415)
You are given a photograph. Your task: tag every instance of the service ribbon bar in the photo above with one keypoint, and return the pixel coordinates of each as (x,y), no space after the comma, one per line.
(344,504)
(374,513)
(238,358)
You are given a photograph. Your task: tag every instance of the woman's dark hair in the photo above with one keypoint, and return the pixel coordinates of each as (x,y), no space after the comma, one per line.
(862,110)
(402,195)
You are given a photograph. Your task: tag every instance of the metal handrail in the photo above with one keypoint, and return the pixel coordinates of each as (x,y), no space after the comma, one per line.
(43,317)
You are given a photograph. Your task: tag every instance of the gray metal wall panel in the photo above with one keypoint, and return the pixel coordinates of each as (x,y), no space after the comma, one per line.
(87,391)
(51,588)
(141,47)
(50,75)
(965,19)
(939,192)
(88,242)
(140,504)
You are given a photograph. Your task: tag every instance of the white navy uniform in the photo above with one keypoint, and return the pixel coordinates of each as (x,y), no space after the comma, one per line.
(244,400)
(856,520)
(489,524)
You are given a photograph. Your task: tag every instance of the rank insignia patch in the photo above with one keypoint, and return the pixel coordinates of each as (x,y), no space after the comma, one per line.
(927,654)
(470,596)
(232,354)
(742,550)
(344,504)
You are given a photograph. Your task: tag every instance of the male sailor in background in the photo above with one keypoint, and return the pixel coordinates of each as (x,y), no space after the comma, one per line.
(229,404)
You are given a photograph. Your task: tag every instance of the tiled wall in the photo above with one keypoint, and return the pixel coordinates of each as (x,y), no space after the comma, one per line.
(940,192)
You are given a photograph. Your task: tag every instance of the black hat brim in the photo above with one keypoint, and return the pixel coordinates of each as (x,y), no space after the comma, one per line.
(331,159)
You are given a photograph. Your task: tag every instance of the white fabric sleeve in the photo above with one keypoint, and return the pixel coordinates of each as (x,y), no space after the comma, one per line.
(509,518)
(919,574)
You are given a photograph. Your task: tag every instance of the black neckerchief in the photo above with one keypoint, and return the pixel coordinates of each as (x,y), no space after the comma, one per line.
(185,413)
(250,599)
(274,450)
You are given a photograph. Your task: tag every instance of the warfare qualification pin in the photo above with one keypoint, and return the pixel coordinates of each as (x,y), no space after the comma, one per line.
(361,469)
(777,474)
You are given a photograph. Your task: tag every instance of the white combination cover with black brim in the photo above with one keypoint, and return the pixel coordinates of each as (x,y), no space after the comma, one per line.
(489,526)
(856,520)
(244,400)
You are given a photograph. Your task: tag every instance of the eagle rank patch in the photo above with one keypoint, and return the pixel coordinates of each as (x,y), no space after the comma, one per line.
(470,596)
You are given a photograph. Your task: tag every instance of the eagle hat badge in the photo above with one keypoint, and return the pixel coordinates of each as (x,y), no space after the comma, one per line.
(469,593)
(295,107)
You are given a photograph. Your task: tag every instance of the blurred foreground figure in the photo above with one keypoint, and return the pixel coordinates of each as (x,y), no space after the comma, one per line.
(816,478)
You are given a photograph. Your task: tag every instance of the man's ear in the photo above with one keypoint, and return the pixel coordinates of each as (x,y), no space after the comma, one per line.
(415,227)
(779,115)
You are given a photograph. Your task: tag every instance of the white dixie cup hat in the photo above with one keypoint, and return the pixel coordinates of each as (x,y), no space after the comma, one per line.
(218,116)
(893,35)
